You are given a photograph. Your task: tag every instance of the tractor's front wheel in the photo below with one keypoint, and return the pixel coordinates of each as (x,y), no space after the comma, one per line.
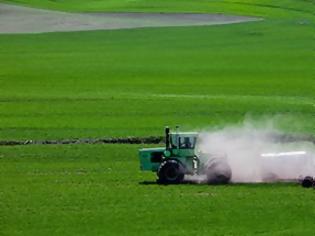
(171,172)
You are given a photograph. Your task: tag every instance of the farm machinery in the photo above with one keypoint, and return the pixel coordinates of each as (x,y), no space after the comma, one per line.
(179,157)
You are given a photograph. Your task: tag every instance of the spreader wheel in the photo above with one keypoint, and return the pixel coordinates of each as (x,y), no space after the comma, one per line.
(171,172)
(218,172)
(308,182)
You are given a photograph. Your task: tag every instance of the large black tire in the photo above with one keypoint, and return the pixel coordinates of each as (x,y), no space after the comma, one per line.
(218,172)
(308,182)
(171,172)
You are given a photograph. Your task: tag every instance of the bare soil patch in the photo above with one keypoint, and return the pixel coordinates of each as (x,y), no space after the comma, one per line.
(18,19)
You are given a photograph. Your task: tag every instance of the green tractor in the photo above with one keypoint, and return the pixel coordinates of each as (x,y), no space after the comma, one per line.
(179,157)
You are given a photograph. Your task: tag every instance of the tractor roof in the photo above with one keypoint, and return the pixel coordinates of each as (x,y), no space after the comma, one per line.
(186,133)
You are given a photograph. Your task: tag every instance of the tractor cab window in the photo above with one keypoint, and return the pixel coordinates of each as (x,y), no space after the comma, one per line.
(183,141)
(187,142)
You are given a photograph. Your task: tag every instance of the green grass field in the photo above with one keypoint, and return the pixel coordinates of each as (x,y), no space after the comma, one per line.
(133,82)
(97,190)
(273,8)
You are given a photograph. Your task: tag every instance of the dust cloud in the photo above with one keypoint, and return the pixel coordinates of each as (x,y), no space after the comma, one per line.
(259,154)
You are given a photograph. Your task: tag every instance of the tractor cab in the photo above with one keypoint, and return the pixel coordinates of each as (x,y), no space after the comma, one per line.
(186,140)
(181,144)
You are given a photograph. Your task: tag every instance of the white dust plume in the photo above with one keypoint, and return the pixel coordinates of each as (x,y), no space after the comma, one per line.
(259,154)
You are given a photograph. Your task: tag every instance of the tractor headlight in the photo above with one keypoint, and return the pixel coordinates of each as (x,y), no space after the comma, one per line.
(167,153)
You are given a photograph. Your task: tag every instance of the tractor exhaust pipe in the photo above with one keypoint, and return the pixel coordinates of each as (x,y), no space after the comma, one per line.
(167,137)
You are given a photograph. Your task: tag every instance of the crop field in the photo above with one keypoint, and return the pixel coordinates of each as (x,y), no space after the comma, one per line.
(133,82)
(97,190)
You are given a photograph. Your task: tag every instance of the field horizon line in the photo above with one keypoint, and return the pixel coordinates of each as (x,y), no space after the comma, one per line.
(282,138)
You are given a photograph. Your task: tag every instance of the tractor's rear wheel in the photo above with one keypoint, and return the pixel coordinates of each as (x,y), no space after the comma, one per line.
(171,172)
(218,172)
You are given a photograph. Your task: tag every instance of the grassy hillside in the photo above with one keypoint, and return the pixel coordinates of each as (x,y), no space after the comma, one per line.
(283,8)
(133,82)
(97,190)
